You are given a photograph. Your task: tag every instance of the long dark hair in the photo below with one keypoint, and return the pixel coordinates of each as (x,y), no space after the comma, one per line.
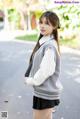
(54,20)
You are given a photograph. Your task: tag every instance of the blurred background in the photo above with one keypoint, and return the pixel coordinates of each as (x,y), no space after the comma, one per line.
(23,15)
(18,31)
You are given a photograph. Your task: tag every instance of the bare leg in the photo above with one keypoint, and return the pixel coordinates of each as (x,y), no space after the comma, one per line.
(42,114)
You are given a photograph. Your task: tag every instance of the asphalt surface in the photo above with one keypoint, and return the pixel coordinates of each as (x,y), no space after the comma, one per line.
(16,97)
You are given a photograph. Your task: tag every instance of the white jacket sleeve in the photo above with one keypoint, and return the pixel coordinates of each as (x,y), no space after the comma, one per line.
(47,68)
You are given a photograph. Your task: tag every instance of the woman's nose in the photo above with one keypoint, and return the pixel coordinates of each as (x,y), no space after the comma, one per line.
(42,25)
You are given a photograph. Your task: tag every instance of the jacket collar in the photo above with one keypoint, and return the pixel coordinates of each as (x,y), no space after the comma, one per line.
(45,39)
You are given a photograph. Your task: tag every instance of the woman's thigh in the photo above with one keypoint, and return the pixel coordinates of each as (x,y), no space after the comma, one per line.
(42,114)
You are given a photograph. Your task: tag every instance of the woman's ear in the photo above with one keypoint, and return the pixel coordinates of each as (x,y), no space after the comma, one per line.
(54,28)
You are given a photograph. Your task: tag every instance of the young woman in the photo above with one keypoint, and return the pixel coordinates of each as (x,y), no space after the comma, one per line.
(44,68)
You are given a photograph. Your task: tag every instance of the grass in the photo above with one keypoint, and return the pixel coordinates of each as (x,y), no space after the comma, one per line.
(31,37)
(73,43)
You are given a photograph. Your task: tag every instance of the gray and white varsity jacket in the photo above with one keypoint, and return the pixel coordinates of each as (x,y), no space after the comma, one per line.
(51,87)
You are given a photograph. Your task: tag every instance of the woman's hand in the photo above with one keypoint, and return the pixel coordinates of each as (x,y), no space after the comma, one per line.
(25,80)
(28,80)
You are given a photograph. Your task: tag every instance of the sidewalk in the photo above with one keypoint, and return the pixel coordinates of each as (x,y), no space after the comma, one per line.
(7,35)
(10,35)
(65,49)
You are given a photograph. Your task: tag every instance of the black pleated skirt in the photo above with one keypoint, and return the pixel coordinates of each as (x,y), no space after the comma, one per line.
(39,103)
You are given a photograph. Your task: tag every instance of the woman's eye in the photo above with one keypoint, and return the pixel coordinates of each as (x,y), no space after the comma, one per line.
(47,23)
(40,22)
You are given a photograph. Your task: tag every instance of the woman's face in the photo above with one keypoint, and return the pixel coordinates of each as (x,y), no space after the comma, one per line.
(45,26)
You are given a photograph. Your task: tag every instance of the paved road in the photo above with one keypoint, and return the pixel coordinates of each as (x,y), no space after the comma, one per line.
(16,98)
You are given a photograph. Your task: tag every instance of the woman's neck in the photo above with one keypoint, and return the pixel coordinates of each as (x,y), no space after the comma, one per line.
(45,38)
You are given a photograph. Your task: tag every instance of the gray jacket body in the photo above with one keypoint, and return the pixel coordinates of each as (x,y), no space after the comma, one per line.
(49,89)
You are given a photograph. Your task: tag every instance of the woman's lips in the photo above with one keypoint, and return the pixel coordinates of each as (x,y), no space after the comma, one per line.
(42,30)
